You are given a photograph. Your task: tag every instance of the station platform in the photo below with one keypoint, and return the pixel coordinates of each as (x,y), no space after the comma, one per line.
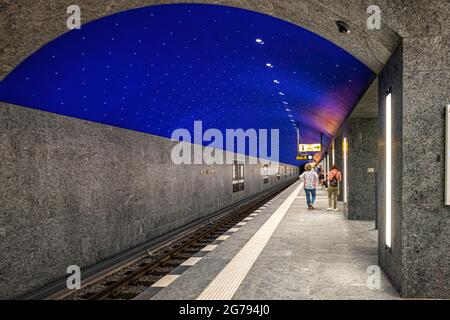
(283,251)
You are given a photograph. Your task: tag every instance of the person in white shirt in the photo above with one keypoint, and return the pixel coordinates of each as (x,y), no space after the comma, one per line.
(310,179)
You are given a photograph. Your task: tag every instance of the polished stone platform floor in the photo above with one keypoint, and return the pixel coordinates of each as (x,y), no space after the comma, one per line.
(311,255)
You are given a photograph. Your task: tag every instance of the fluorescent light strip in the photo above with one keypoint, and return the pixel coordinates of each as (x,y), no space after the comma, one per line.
(328,163)
(447,154)
(344,149)
(388,192)
(332,153)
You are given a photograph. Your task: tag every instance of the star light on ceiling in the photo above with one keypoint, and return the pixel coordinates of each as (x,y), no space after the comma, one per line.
(159,68)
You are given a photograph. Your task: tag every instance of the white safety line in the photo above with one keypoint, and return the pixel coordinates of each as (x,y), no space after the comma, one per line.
(191,261)
(165,281)
(225,284)
(209,247)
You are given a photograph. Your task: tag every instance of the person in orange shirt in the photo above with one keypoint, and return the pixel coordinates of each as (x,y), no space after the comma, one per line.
(334,178)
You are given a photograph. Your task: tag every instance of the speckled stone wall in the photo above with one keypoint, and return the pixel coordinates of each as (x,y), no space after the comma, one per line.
(419,262)
(78,192)
(425,221)
(362,136)
(339,160)
(391,79)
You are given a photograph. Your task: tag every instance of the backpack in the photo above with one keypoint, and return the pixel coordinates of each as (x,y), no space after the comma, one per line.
(334,181)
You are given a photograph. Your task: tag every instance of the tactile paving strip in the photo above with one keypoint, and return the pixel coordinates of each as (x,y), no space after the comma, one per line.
(168,279)
(228,280)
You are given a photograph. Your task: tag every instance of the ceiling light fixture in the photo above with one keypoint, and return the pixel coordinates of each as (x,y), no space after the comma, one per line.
(343,27)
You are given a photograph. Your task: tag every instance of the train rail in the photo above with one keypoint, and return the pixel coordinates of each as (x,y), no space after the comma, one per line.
(131,279)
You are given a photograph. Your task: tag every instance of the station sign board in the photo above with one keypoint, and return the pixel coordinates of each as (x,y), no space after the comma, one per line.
(314,147)
(304,157)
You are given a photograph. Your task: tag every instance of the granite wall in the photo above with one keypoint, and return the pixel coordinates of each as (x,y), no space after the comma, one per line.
(425,219)
(78,192)
(362,137)
(339,161)
(419,262)
(391,79)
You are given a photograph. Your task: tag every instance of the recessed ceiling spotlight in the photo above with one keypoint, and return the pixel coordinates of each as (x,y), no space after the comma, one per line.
(281,93)
(343,27)
(276,81)
(284,102)
(288,110)
(269,65)
(259,41)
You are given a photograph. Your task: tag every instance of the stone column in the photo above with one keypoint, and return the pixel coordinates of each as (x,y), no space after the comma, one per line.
(418,263)
(339,160)
(362,163)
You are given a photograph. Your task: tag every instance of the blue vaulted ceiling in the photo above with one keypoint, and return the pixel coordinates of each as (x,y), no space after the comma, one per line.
(160,68)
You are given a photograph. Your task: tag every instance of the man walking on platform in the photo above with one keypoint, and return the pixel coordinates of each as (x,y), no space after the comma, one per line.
(334,177)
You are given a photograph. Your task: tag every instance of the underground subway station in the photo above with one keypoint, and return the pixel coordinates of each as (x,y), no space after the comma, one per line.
(225,150)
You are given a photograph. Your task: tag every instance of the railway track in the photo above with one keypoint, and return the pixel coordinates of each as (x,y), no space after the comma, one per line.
(130,280)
